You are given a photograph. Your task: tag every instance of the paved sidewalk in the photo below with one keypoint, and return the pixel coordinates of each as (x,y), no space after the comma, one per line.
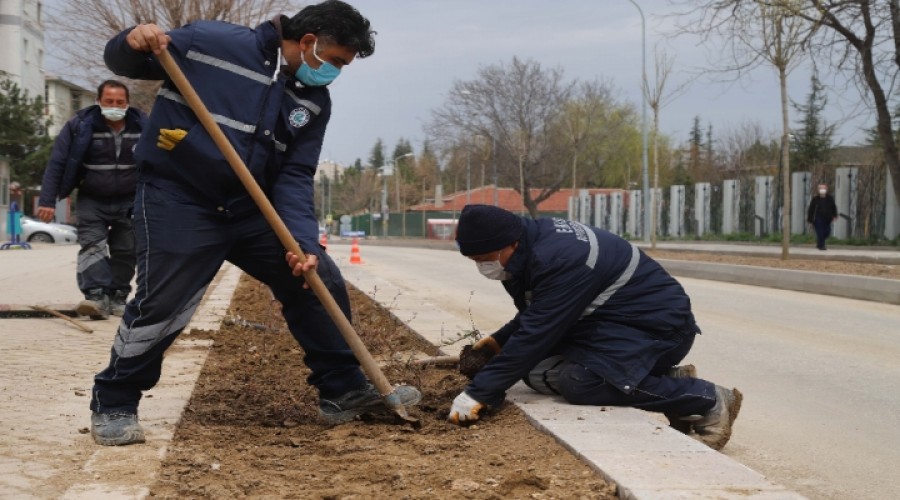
(47,372)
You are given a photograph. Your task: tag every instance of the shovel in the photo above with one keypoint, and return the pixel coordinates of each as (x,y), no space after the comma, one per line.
(369,366)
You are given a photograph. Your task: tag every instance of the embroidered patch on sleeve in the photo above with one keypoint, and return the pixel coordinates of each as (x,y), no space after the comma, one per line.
(299,117)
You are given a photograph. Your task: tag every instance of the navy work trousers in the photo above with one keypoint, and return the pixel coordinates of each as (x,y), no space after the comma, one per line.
(105,234)
(180,247)
(823,231)
(656,392)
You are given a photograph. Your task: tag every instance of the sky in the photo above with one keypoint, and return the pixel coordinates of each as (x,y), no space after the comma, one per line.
(423,46)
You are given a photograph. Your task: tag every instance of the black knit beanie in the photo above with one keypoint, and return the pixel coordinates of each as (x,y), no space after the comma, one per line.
(486,228)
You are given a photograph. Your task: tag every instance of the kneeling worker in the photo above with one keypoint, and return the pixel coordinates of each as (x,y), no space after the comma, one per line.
(599,323)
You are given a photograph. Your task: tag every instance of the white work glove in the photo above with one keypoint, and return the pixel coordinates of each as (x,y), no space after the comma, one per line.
(464,410)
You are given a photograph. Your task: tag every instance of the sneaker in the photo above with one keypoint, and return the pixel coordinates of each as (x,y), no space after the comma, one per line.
(95,304)
(714,428)
(116,429)
(117,302)
(361,401)
(675,421)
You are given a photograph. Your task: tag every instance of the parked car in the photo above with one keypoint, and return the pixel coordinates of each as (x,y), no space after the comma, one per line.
(35,231)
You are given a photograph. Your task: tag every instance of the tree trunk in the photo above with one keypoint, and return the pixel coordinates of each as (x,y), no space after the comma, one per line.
(786,168)
(654,198)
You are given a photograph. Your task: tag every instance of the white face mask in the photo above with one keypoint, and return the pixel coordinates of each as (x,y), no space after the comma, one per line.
(493,270)
(113,114)
(823,191)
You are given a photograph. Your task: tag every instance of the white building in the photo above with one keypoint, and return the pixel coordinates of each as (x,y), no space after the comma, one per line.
(330,169)
(62,100)
(22,44)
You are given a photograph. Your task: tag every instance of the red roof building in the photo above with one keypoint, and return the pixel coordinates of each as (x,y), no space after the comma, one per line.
(507,198)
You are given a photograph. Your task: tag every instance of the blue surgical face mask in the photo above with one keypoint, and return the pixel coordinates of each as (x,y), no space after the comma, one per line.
(326,73)
(114,114)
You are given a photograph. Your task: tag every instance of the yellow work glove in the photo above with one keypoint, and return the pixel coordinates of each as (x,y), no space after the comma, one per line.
(489,343)
(464,410)
(170,137)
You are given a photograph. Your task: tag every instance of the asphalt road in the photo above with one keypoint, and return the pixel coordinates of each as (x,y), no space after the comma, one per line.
(821,411)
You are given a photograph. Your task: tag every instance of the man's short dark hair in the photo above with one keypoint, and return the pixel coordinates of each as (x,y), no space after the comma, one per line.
(332,19)
(113,84)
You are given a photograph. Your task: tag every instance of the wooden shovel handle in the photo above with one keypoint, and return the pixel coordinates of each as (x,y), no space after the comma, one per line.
(369,366)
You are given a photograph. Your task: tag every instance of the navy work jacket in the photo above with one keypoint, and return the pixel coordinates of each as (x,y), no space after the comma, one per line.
(590,295)
(275,123)
(65,171)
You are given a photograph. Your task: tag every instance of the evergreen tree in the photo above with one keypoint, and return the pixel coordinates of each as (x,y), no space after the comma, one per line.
(23,134)
(811,144)
(404,165)
(695,148)
(376,157)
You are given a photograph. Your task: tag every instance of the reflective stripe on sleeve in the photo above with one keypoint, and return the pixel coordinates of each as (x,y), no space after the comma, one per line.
(221,120)
(228,66)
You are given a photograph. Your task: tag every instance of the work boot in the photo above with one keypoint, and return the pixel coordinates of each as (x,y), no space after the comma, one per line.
(675,422)
(714,428)
(95,304)
(683,371)
(116,429)
(117,302)
(361,401)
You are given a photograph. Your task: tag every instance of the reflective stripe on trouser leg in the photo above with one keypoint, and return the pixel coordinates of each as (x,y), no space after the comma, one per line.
(187,249)
(92,269)
(679,396)
(544,377)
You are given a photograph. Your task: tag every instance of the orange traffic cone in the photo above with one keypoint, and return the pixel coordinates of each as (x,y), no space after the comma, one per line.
(323,240)
(354,252)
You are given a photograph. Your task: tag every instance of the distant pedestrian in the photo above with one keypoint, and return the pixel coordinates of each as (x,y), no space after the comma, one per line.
(822,212)
(94,153)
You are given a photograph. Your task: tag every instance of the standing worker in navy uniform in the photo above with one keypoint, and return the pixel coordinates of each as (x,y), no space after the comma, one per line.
(599,323)
(822,213)
(94,153)
(267,89)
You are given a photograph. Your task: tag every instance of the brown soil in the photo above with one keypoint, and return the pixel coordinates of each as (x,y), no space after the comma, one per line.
(251,429)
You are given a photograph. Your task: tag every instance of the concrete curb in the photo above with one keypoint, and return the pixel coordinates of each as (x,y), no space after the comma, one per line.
(840,285)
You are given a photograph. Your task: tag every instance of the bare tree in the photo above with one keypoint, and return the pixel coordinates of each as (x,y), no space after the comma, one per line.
(514,105)
(80,28)
(862,37)
(657,98)
(755,33)
(358,190)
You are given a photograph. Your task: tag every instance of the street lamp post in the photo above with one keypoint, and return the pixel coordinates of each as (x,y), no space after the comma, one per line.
(384,204)
(397,182)
(644,169)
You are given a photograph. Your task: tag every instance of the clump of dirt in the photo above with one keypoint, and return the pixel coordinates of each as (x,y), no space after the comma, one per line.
(251,428)
(472,360)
